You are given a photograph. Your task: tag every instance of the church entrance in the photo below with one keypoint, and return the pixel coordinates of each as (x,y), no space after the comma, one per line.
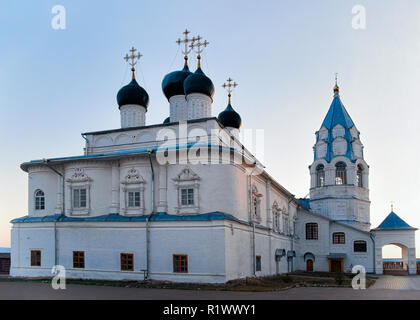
(309,259)
(336,265)
(309,265)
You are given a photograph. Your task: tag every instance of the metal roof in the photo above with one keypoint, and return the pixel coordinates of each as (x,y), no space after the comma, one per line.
(337,114)
(114,217)
(393,222)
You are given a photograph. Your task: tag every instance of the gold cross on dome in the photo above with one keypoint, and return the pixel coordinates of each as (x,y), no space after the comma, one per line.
(230,86)
(198,47)
(186,41)
(134,59)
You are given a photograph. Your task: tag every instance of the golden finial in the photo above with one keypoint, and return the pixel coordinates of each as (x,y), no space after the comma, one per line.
(134,58)
(336,87)
(187,49)
(229,87)
(197,45)
(392,206)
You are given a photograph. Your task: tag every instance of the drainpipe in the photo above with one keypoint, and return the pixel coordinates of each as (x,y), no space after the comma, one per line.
(45,162)
(146,276)
(254,267)
(374,252)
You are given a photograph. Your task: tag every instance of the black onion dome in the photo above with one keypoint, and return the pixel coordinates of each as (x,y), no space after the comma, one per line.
(173,83)
(167,120)
(198,82)
(132,93)
(230,118)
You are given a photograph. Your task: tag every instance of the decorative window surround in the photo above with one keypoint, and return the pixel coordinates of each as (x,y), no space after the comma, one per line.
(256,204)
(187,179)
(285,222)
(276,217)
(79,180)
(133,183)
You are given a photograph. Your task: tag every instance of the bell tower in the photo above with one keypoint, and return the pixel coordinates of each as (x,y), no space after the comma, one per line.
(339,174)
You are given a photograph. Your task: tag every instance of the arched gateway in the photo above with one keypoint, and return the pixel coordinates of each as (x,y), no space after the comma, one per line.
(394,230)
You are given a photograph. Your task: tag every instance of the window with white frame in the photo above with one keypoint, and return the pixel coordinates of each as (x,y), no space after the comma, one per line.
(79,198)
(187,184)
(187,196)
(133,199)
(132,188)
(78,187)
(39,200)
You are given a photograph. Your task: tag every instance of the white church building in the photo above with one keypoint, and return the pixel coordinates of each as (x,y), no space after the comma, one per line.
(186,201)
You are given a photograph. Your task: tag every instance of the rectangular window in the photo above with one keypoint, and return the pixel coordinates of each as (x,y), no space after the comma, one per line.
(339,238)
(127,262)
(258,263)
(35,258)
(134,199)
(39,203)
(180,262)
(311,231)
(360,246)
(78,259)
(187,197)
(79,198)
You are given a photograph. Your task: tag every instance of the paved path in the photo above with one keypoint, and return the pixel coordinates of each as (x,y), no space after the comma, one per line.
(397,283)
(35,290)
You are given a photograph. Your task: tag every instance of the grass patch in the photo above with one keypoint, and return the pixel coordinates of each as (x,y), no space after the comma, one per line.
(268,283)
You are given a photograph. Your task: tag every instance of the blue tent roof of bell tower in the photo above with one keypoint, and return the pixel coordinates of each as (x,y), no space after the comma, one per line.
(337,114)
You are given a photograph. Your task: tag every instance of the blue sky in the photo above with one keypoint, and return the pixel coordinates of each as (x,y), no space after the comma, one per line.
(55,84)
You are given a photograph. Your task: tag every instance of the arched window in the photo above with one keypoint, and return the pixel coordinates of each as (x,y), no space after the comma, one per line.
(312,231)
(340,173)
(359,246)
(359,176)
(39,200)
(320,176)
(339,238)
